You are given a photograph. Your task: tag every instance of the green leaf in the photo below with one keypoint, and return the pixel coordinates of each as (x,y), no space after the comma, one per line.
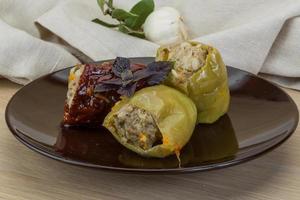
(143,9)
(110,4)
(129,31)
(101,4)
(98,21)
(124,29)
(106,6)
(121,14)
(138,34)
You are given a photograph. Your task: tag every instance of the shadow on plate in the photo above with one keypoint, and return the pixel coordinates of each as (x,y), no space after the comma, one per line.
(209,144)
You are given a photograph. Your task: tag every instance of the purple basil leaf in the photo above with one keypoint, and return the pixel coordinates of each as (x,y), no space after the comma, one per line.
(156,79)
(127,90)
(127,81)
(163,66)
(141,74)
(155,72)
(116,81)
(127,77)
(120,65)
(159,70)
(105,88)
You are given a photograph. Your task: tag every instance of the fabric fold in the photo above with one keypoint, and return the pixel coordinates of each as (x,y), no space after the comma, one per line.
(24,58)
(256,36)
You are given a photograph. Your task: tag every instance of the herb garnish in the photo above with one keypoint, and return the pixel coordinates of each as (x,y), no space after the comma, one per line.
(126,80)
(130,22)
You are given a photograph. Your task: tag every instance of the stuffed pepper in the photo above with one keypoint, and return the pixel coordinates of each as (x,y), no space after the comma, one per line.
(198,72)
(156,122)
(94,88)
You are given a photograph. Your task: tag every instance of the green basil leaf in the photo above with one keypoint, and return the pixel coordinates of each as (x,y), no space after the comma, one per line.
(143,8)
(138,34)
(101,4)
(121,14)
(98,21)
(110,4)
(124,29)
(129,31)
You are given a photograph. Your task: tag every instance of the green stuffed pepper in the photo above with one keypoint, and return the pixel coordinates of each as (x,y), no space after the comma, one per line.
(198,72)
(156,121)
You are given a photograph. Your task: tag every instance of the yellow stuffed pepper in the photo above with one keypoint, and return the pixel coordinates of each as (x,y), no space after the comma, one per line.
(198,72)
(156,121)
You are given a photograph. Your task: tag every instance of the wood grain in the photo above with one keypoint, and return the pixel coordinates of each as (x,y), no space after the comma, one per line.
(25,174)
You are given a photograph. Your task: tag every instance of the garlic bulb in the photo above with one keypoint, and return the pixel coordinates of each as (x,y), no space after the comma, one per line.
(165,26)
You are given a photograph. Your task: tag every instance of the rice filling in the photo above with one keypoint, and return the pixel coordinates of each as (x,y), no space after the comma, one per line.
(73,82)
(188,58)
(137,127)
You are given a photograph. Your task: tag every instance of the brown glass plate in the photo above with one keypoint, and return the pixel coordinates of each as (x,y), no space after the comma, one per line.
(261,117)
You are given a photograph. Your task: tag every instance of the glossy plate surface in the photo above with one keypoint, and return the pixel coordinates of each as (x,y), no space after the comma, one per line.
(261,117)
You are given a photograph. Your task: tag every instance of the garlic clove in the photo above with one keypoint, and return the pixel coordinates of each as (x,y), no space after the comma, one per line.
(165,26)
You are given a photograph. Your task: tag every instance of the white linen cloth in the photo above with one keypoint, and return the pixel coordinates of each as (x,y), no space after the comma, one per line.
(40,36)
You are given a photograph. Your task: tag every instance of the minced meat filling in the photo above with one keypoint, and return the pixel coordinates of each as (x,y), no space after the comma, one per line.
(137,127)
(188,57)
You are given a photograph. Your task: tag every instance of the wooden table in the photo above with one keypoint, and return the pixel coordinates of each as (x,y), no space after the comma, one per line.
(25,174)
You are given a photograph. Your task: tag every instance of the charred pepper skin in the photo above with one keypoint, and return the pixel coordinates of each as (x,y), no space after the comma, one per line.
(89,108)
